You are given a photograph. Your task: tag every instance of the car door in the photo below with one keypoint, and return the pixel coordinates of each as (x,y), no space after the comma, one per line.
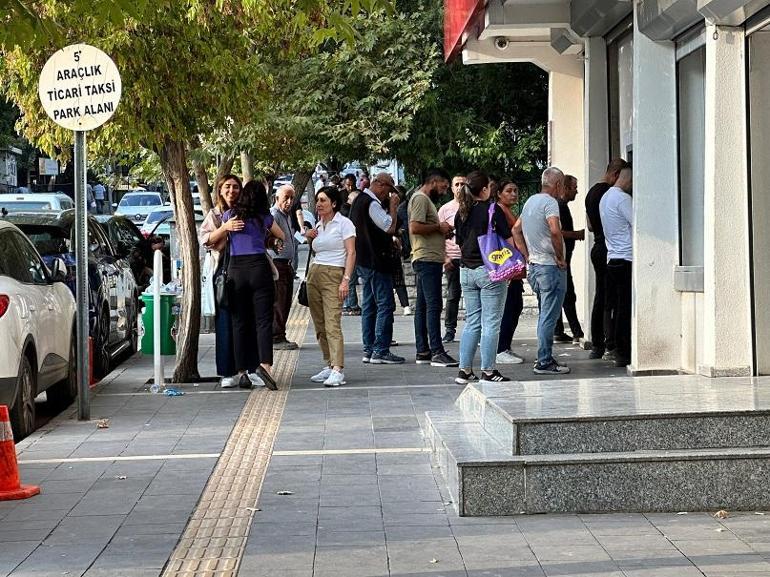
(40,303)
(108,275)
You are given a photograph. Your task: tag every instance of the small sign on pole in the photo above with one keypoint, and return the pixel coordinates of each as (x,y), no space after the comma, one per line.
(80,89)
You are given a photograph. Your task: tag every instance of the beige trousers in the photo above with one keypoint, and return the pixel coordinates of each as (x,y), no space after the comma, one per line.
(323,285)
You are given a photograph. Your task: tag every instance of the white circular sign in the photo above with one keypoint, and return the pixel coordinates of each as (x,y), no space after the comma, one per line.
(80,87)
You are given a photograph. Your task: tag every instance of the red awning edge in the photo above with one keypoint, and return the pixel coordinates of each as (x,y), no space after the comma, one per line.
(459,16)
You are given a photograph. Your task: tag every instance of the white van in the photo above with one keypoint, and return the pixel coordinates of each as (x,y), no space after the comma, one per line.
(35,201)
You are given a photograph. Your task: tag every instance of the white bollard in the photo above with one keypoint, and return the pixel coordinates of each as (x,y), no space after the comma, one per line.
(157,267)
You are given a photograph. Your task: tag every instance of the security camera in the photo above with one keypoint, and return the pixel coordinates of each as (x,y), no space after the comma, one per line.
(501,43)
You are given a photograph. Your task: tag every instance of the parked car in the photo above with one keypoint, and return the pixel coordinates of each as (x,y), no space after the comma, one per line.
(37,330)
(113,292)
(34,201)
(128,242)
(159,221)
(136,205)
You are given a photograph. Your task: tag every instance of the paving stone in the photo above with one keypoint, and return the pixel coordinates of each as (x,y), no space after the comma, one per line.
(91,529)
(351,561)
(12,553)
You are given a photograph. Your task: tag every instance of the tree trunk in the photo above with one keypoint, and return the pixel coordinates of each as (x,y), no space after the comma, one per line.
(300,182)
(204,188)
(225,167)
(173,163)
(247,167)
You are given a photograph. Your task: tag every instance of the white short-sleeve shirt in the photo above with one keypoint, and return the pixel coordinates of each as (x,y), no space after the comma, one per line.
(329,245)
(617,213)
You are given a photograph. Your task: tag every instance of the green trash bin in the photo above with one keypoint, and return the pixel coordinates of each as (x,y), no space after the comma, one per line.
(169,310)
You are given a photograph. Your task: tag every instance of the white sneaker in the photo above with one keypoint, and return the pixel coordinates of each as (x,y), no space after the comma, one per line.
(322,376)
(228,382)
(336,378)
(508,358)
(256,380)
(407,311)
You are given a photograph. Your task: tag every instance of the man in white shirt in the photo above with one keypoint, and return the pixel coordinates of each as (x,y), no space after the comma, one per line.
(617,216)
(538,236)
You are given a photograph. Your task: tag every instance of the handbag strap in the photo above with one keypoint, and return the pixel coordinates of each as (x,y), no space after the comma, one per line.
(490,228)
(226,256)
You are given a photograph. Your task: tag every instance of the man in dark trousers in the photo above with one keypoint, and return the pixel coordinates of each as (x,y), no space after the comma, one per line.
(283,257)
(602,313)
(570,236)
(375,227)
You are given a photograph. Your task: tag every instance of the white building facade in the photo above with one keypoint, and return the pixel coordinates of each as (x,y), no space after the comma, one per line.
(682,89)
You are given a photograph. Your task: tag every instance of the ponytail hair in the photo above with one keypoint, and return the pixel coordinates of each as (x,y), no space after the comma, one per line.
(470,191)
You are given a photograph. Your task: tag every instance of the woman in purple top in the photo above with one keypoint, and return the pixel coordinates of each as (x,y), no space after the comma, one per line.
(251,286)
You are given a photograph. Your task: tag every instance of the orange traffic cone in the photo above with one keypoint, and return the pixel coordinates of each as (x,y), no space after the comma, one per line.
(10,485)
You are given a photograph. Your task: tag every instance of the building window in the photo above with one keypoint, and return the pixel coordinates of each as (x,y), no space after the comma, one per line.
(691,101)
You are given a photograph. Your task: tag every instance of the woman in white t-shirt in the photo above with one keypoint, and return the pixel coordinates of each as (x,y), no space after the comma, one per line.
(334,244)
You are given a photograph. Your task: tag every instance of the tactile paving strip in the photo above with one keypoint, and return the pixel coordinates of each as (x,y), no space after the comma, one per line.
(214,540)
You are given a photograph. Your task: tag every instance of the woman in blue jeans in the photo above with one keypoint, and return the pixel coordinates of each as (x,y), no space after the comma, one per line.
(484,298)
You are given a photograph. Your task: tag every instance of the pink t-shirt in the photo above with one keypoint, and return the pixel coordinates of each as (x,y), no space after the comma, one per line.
(447,214)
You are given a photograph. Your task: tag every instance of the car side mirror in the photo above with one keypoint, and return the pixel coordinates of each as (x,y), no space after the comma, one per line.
(167,203)
(58,270)
(114,205)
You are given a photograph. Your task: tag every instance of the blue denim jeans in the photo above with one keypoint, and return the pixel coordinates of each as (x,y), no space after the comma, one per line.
(351,302)
(427,307)
(377,306)
(550,285)
(484,301)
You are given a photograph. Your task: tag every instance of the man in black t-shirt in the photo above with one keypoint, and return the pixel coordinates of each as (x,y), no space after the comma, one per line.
(602,326)
(570,235)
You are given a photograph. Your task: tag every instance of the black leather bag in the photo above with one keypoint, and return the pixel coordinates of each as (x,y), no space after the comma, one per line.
(220,280)
(302,293)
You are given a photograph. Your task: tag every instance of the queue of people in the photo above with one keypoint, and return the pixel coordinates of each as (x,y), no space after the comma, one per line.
(360,237)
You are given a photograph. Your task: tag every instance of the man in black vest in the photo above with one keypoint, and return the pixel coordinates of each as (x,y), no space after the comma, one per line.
(374,240)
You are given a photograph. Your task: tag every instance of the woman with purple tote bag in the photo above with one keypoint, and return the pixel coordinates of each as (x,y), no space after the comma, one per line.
(488,260)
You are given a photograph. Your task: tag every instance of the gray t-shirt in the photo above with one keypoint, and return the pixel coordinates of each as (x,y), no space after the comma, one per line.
(534,225)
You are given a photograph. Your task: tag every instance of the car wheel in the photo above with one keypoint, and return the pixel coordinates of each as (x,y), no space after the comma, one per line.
(101,347)
(23,410)
(64,392)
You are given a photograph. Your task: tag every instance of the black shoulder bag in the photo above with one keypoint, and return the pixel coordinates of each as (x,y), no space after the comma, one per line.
(220,280)
(302,293)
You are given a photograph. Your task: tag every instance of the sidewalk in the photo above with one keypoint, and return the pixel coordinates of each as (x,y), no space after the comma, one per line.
(349,489)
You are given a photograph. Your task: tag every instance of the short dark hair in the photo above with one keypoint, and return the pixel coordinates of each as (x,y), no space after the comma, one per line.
(616,165)
(436,174)
(351,177)
(333,193)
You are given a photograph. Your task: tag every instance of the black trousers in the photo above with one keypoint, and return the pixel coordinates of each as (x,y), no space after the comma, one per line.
(603,311)
(619,289)
(514,304)
(252,292)
(284,291)
(569,307)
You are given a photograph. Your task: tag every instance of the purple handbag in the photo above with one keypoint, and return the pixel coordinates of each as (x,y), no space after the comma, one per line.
(502,261)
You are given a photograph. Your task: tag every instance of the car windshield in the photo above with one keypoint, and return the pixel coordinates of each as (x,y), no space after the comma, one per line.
(15,206)
(140,200)
(158,215)
(48,240)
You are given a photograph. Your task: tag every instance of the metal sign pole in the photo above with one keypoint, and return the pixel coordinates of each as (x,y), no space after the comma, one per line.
(81,259)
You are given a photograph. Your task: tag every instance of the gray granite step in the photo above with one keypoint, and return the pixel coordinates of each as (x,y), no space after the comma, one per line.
(485,479)
(621,414)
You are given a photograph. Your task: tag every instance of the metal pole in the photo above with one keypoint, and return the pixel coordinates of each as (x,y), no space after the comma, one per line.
(81,271)
(157,269)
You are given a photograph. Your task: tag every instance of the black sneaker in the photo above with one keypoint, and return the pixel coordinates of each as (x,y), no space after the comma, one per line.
(562,338)
(449,337)
(464,378)
(423,358)
(596,354)
(442,359)
(552,368)
(493,377)
(386,359)
(394,343)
